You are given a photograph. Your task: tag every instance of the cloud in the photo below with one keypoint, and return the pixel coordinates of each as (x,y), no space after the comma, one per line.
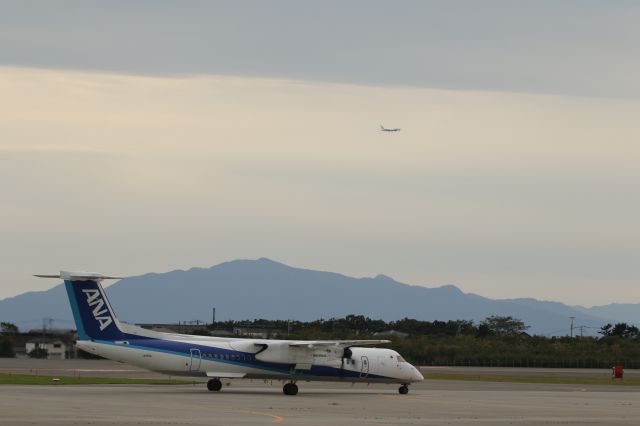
(503,194)
(34,149)
(567,48)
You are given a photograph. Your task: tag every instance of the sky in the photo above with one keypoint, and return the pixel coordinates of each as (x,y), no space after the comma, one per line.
(151,136)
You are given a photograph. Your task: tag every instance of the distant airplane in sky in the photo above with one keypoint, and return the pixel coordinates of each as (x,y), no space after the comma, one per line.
(101,333)
(384,129)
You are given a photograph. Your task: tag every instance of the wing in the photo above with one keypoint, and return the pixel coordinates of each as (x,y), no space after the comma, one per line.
(301,353)
(311,344)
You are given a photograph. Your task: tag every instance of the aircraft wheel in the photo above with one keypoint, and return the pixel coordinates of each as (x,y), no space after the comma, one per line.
(404,389)
(214,385)
(290,389)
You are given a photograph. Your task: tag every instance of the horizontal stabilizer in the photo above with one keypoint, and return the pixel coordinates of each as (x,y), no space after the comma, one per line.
(80,276)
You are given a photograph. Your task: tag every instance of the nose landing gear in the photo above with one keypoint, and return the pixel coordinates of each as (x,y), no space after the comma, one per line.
(290,388)
(403,390)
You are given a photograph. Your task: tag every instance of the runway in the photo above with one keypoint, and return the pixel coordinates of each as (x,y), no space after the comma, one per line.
(243,402)
(316,404)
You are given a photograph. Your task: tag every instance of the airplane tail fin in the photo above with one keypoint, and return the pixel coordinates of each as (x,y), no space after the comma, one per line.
(94,317)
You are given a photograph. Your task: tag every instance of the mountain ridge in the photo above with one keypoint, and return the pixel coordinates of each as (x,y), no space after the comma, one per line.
(263,288)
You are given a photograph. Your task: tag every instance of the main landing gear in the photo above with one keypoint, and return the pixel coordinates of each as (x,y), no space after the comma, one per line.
(290,388)
(404,389)
(214,385)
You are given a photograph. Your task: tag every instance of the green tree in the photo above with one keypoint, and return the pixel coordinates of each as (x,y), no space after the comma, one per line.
(621,329)
(504,326)
(38,352)
(483,331)
(8,327)
(6,348)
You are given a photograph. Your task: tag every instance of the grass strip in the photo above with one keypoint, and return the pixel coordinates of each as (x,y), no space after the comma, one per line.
(568,380)
(24,379)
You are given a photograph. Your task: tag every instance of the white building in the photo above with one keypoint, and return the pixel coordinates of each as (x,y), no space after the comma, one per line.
(56,349)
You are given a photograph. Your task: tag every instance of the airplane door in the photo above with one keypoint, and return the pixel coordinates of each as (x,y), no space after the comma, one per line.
(196,359)
(364,368)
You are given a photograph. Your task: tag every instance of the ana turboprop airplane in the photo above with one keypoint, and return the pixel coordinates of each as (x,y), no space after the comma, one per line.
(384,129)
(101,333)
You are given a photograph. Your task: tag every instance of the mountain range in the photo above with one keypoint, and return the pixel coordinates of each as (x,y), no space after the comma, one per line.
(262,288)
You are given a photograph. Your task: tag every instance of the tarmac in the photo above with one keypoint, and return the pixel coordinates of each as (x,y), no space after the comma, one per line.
(246,402)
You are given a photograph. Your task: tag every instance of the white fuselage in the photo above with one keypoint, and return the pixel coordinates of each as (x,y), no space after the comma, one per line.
(188,355)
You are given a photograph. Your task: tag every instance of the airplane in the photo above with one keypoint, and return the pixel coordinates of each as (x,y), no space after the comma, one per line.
(384,129)
(217,358)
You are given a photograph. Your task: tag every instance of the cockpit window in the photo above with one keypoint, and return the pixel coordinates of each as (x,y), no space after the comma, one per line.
(400,359)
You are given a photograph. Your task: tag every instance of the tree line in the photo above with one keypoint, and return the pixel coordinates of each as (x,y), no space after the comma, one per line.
(495,341)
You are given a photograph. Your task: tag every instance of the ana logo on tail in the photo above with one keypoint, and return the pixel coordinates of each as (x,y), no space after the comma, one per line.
(95,300)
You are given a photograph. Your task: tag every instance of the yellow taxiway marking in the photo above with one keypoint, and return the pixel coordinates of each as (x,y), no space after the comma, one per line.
(276,418)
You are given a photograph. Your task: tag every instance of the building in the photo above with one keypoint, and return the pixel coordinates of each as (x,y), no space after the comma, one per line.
(56,348)
(258,332)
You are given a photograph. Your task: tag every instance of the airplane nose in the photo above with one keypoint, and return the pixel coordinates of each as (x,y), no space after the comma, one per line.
(417,376)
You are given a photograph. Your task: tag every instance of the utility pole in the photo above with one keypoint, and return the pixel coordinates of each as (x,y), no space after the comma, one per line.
(572,318)
(45,322)
(214,317)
